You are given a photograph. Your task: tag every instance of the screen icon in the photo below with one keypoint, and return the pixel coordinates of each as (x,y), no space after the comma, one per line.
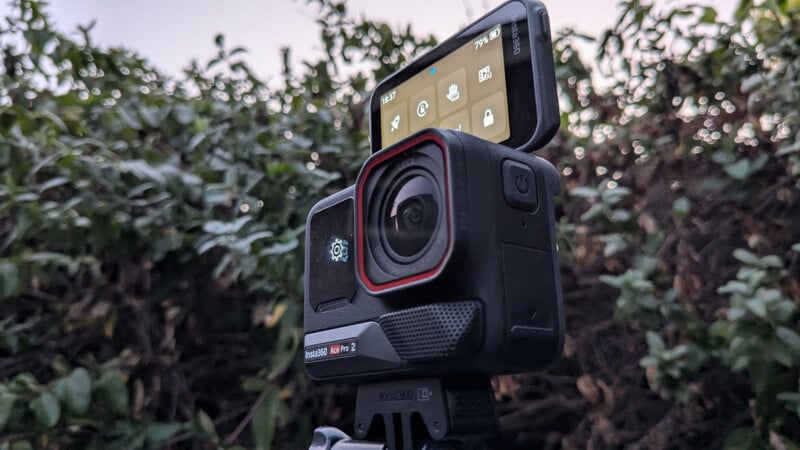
(452,92)
(424,394)
(394,124)
(422,108)
(339,250)
(488,118)
(495,33)
(458,121)
(484,73)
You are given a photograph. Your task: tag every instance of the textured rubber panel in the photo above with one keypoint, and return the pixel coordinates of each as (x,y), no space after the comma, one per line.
(435,331)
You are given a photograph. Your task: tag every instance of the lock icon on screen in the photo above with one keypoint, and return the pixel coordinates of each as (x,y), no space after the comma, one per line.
(488,118)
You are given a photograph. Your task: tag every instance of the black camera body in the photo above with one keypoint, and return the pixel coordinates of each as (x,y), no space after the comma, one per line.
(441,259)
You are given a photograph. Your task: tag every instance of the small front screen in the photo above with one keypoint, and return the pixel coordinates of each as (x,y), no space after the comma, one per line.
(465,91)
(332,267)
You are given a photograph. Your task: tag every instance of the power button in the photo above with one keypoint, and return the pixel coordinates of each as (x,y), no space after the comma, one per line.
(519,185)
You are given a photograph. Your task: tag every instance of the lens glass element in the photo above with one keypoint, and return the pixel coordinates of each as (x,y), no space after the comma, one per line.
(411,215)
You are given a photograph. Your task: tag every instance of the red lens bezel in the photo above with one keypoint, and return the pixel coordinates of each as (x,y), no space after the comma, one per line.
(368,167)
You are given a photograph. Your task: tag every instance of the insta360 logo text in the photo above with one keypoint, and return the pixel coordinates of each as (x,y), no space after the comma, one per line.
(339,250)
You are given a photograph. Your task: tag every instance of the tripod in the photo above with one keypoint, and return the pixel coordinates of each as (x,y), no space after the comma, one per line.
(415,414)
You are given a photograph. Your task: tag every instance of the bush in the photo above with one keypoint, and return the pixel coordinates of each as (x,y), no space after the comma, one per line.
(151,258)
(695,151)
(151,236)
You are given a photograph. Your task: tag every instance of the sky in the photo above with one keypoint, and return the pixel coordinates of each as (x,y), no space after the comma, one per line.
(170,33)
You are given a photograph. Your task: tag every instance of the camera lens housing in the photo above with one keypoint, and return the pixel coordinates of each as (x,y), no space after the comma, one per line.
(403,210)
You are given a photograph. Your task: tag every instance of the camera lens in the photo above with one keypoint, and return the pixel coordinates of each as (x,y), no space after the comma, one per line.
(411,215)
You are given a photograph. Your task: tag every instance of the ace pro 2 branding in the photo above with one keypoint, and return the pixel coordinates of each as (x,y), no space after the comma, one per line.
(495,80)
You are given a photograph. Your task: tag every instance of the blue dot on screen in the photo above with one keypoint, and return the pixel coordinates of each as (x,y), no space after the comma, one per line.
(433,70)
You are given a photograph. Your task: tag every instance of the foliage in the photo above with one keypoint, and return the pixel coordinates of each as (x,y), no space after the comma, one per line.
(699,125)
(150,257)
(151,228)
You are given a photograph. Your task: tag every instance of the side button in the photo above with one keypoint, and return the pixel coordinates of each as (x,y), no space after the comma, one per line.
(544,23)
(519,185)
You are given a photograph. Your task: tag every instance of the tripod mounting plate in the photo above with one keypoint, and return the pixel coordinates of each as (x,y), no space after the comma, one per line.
(407,413)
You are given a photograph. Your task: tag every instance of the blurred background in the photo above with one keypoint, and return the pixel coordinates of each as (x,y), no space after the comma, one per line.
(156,170)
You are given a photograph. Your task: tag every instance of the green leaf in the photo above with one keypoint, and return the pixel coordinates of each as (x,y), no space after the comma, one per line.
(53,182)
(782,353)
(593,211)
(735,314)
(129,118)
(46,409)
(654,341)
(152,116)
(615,243)
(615,195)
(741,438)
(648,361)
(75,390)
(184,114)
(791,338)
(205,423)
(59,259)
(680,207)
(264,421)
(783,310)
(195,141)
(158,432)
(770,261)
(757,307)
(789,397)
(217,227)
(739,170)
(584,192)
(24,383)
(280,248)
(613,281)
(620,215)
(21,445)
(9,279)
(112,390)
(142,170)
(751,82)
(788,149)
(7,400)
(734,287)
(283,357)
(745,256)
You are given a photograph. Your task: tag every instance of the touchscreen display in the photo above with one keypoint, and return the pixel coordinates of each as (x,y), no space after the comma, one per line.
(465,91)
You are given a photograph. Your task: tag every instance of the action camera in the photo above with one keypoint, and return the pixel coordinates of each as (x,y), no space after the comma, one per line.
(441,259)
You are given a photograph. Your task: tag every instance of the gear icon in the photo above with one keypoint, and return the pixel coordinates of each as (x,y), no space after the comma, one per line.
(339,250)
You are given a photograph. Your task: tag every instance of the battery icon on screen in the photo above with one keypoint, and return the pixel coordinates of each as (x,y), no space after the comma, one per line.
(495,33)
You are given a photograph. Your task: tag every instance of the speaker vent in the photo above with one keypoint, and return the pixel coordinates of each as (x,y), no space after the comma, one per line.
(435,331)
